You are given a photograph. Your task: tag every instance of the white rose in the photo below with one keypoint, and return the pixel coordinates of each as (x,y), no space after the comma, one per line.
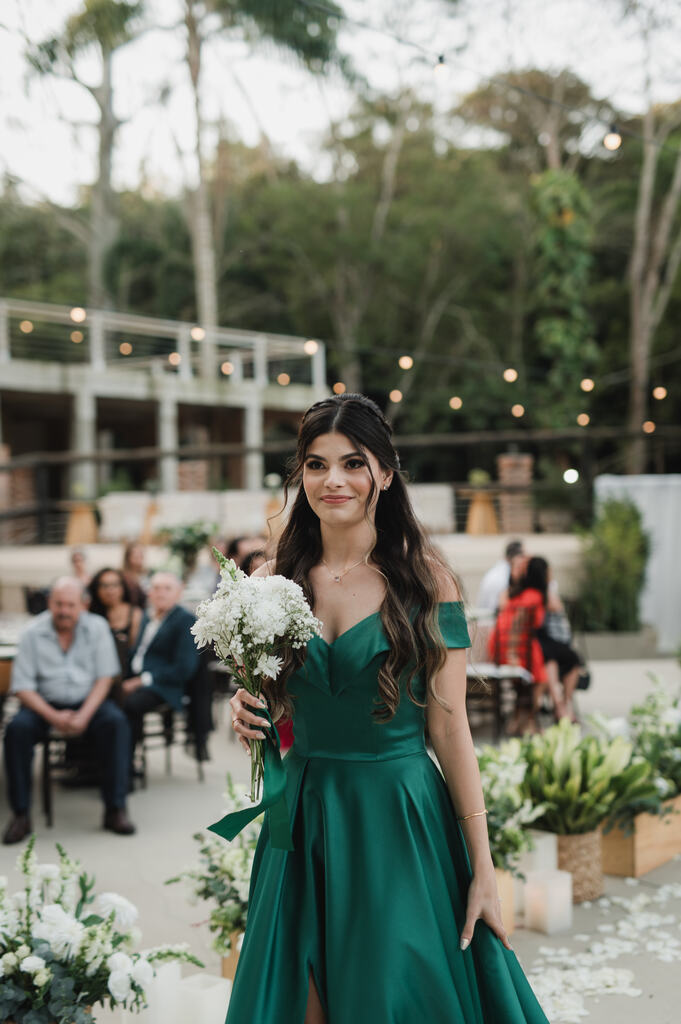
(23,951)
(142,973)
(119,985)
(125,912)
(41,978)
(119,962)
(9,962)
(31,964)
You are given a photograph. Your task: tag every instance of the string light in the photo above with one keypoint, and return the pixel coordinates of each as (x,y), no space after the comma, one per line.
(659,393)
(587,384)
(455,402)
(125,348)
(26,326)
(395,396)
(405,362)
(517,410)
(584,419)
(76,337)
(78,314)
(310,347)
(510,375)
(283,379)
(197,334)
(227,368)
(338,388)
(648,427)
(174,358)
(613,139)
(571,476)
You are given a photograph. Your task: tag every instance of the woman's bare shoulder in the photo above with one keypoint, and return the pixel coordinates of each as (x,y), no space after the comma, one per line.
(268,569)
(447,587)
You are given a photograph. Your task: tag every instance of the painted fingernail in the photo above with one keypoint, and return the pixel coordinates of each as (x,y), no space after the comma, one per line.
(262,703)
(465,943)
(260,735)
(264,722)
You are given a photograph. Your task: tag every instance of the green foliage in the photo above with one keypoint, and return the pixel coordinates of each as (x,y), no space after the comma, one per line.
(502,770)
(583,781)
(562,263)
(188,539)
(615,554)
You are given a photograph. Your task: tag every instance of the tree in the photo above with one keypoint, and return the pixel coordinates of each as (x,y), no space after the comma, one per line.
(103,26)
(290,28)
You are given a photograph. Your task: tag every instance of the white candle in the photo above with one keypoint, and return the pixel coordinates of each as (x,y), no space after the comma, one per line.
(161,995)
(203,997)
(548,901)
(543,857)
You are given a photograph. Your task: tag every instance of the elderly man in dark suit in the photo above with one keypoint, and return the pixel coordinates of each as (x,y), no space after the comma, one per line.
(165,657)
(62,678)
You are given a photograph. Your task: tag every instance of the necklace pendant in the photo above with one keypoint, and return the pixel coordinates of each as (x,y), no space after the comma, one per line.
(337,579)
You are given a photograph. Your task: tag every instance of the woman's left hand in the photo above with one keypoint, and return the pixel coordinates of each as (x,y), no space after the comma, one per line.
(484,904)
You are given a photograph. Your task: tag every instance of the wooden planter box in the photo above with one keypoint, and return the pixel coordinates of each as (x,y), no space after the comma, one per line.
(653,841)
(581,855)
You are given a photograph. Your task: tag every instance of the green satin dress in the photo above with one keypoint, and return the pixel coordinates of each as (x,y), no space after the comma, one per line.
(372,898)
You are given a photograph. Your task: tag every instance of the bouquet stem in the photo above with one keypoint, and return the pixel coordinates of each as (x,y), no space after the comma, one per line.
(257,768)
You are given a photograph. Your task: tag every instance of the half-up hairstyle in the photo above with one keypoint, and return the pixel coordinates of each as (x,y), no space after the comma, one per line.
(402,553)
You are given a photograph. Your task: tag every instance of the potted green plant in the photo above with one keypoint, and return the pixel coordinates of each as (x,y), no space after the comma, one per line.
(186,541)
(614,558)
(65,949)
(647,832)
(509,812)
(221,878)
(582,781)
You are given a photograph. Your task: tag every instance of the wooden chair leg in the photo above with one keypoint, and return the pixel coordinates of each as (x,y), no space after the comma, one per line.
(47,785)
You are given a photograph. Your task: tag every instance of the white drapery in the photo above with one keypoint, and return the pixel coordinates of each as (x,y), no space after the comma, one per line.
(658,499)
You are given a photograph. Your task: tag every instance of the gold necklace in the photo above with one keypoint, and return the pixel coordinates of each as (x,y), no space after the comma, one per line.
(337,577)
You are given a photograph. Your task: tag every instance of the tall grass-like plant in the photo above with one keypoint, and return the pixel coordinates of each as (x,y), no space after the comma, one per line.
(614,562)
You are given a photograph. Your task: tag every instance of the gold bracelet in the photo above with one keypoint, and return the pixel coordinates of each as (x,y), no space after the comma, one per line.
(476,814)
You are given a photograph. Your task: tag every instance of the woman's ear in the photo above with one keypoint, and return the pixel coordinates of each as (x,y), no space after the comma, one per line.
(387,480)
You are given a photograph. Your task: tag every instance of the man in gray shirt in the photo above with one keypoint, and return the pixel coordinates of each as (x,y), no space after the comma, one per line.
(62,676)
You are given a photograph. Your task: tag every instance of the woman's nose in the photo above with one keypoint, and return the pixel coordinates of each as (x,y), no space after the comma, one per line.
(334,477)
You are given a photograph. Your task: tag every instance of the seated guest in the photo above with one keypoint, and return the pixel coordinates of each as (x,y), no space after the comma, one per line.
(496,580)
(239,548)
(62,676)
(79,567)
(110,597)
(165,658)
(134,573)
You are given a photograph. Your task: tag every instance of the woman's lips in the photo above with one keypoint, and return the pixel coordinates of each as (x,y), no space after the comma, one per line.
(331,499)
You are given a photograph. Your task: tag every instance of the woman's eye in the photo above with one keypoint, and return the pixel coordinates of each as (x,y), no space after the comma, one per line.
(355,463)
(313,464)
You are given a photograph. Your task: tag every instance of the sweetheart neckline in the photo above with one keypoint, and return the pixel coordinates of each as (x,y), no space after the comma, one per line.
(371,615)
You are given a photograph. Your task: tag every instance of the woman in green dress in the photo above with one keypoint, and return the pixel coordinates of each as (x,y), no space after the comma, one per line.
(386,909)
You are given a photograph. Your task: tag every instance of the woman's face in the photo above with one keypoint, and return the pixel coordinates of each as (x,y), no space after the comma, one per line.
(110,589)
(337,480)
(136,558)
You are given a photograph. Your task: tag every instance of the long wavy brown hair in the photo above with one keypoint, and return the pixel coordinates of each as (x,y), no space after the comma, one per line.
(402,553)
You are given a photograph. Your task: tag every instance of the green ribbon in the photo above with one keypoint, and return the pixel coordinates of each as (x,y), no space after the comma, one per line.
(273,798)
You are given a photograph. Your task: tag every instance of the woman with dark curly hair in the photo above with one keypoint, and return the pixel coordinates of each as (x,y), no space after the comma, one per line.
(110,597)
(386,910)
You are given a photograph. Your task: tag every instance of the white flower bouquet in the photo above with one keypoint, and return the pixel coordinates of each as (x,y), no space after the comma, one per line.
(64,949)
(250,620)
(222,876)
(509,812)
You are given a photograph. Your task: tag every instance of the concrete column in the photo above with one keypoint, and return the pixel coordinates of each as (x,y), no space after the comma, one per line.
(97,341)
(167,441)
(83,441)
(4,333)
(184,347)
(254,466)
(260,361)
(319,371)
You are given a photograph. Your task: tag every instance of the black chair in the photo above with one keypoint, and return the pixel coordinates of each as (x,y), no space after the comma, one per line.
(164,727)
(69,760)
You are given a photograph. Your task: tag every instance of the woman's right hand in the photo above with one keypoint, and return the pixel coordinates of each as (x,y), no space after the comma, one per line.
(246,722)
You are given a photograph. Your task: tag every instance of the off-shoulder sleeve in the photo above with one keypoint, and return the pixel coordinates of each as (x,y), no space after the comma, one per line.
(452,623)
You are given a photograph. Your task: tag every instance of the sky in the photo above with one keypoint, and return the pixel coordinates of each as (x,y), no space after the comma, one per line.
(47,144)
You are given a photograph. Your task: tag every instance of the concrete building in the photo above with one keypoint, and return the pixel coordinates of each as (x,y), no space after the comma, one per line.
(93,382)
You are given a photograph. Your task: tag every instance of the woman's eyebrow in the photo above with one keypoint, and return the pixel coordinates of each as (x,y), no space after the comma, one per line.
(321,458)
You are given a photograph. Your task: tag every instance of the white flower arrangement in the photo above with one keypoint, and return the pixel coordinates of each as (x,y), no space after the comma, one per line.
(222,876)
(502,771)
(248,620)
(63,949)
